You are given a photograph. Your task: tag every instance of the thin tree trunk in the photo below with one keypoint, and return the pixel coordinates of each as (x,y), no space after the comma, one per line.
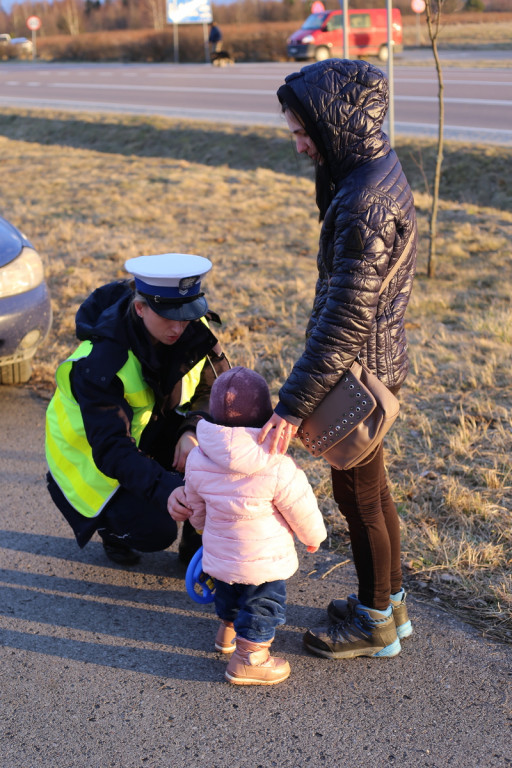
(433,21)
(72,15)
(158,13)
(432,259)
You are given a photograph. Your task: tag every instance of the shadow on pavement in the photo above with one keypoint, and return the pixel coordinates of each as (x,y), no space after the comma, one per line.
(144,624)
(159,663)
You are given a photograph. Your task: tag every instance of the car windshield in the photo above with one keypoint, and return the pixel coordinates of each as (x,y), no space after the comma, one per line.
(314,21)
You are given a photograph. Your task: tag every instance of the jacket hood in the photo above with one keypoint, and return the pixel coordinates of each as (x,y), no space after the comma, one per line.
(343,103)
(103,313)
(233,448)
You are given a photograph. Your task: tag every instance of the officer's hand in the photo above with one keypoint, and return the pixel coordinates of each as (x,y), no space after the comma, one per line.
(177,505)
(184,445)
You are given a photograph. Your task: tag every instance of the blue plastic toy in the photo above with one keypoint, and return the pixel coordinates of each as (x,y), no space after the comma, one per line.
(199,585)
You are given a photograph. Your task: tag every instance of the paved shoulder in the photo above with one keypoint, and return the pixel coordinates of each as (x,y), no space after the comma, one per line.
(110,667)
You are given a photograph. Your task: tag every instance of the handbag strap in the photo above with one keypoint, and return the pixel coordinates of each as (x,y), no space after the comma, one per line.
(392,272)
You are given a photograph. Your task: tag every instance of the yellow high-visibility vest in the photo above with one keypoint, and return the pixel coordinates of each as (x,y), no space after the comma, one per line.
(69,454)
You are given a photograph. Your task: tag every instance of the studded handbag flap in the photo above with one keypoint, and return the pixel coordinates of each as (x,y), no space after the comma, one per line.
(351,420)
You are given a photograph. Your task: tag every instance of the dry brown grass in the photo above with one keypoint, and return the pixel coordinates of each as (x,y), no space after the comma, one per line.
(98,190)
(463,30)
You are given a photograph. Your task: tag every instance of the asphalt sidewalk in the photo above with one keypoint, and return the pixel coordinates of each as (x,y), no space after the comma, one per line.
(109,667)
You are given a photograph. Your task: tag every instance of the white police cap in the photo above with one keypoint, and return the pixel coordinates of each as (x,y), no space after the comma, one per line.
(171,283)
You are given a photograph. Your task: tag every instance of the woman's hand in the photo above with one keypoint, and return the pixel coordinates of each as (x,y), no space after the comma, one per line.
(283,433)
(177,505)
(312,549)
(184,445)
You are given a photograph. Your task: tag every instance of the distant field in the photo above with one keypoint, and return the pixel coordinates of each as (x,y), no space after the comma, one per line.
(97,190)
(464,30)
(260,42)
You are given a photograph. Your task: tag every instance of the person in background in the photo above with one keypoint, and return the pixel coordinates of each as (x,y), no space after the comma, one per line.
(215,38)
(335,110)
(121,422)
(248,503)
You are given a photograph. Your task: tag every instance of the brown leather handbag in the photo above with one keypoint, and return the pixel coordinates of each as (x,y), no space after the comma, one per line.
(352,419)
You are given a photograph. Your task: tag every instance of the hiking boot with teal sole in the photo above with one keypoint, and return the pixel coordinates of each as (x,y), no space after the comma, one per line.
(364,632)
(337,611)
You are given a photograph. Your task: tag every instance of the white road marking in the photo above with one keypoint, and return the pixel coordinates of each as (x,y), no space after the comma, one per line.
(475,101)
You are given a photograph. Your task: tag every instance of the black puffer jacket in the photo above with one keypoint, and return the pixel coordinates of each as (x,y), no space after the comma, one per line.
(365,229)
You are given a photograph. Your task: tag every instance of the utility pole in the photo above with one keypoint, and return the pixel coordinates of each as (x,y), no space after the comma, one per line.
(391,73)
(344,8)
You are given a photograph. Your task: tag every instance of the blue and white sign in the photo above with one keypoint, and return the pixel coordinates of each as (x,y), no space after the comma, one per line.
(189,12)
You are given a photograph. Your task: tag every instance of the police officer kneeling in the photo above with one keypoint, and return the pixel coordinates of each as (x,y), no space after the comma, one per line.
(121,422)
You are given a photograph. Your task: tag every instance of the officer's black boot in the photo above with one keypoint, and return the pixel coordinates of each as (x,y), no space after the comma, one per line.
(116,549)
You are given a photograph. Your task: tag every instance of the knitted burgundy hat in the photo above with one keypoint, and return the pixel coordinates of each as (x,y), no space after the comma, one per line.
(240,398)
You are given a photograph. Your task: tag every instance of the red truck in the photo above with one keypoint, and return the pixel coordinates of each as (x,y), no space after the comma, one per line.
(321,35)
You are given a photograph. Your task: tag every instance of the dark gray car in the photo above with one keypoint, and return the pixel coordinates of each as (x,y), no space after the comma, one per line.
(25,308)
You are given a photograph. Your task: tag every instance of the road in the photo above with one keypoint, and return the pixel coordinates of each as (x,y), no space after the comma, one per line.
(478,101)
(108,667)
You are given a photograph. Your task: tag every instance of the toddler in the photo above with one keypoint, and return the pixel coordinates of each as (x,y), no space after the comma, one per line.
(248,504)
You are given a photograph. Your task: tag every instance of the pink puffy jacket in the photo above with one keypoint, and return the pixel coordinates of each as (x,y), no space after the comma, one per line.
(248,503)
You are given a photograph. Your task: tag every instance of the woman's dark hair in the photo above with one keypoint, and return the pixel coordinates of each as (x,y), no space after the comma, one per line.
(324,186)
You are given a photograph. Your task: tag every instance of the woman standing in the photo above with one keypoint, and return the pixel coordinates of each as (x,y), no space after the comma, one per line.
(121,424)
(335,110)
